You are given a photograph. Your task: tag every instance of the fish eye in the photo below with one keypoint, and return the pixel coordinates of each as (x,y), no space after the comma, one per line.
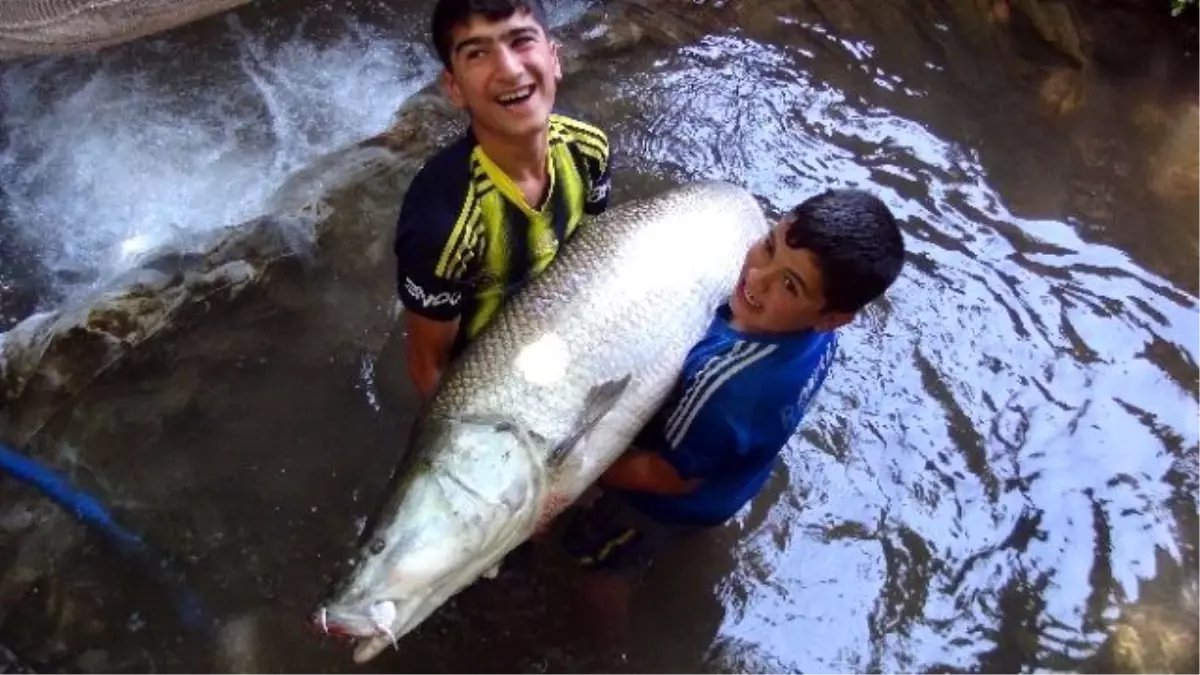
(377,547)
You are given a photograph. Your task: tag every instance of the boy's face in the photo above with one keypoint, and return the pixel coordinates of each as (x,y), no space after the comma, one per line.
(781,289)
(504,73)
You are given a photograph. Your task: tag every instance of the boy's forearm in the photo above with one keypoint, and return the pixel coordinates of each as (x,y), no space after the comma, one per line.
(646,471)
(428,351)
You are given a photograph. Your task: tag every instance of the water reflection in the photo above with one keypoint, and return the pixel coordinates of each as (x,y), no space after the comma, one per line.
(1006,453)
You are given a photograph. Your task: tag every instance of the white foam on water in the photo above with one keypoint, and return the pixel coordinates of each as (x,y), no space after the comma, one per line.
(101,168)
(101,161)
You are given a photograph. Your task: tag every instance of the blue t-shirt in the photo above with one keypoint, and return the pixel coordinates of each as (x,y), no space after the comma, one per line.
(737,403)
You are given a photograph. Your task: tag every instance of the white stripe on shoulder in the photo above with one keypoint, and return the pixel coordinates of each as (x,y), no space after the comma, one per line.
(707,372)
(750,357)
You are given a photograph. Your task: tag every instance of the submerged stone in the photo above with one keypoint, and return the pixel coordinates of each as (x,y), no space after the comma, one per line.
(11,663)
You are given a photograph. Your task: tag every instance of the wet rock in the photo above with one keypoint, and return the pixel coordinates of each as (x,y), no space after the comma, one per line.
(843,17)
(1054,23)
(667,22)
(16,517)
(30,554)
(1001,12)
(1120,40)
(1061,92)
(1175,165)
(11,663)
(94,661)
(1148,640)
(49,358)
(37,532)
(1151,118)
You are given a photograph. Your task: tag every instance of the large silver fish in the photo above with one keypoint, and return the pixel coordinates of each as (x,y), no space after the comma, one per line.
(543,401)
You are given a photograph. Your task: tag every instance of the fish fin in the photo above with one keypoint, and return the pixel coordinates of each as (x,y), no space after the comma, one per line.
(600,400)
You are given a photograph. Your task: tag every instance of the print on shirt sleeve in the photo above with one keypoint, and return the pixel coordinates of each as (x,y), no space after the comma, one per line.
(592,144)
(597,197)
(430,262)
(415,294)
(699,433)
(794,412)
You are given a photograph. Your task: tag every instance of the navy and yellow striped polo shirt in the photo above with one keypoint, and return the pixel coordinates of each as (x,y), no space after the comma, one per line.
(466,239)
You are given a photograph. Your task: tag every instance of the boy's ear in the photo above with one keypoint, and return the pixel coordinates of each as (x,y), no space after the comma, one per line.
(452,91)
(556,55)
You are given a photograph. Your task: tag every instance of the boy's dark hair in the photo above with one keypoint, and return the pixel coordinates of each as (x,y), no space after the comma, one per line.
(858,246)
(449,13)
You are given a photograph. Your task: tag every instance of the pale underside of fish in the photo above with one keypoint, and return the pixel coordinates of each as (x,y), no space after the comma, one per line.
(36,27)
(543,401)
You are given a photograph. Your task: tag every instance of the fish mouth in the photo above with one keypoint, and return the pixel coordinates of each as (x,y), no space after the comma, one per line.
(368,634)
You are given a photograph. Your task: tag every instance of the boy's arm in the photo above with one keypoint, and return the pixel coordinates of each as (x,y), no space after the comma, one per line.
(646,471)
(427,350)
(432,292)
(695,447)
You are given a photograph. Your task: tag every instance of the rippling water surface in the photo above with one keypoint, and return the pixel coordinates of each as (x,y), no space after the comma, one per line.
(1010,444)
(1005,456)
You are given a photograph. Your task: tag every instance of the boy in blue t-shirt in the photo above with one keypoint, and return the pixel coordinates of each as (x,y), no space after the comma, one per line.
(745,385)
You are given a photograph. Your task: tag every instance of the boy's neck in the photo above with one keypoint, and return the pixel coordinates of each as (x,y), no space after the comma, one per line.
(521,159)
(737,326)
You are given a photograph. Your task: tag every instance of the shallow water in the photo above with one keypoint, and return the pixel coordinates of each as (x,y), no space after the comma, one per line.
(1005,455)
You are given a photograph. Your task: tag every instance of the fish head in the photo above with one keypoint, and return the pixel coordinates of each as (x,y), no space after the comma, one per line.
(445,522)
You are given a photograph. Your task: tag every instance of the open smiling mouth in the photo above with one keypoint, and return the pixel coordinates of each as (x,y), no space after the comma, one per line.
(516,97)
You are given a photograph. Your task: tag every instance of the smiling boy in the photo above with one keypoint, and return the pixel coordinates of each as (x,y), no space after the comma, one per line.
(487,214)
(744,387)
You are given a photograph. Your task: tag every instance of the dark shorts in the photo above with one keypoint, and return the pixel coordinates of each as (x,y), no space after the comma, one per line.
(609,535)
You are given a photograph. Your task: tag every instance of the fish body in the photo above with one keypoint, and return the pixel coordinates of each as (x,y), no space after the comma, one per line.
(549,394)
(43,27)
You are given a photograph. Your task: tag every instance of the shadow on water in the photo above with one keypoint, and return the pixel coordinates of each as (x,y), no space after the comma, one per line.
(1000,475)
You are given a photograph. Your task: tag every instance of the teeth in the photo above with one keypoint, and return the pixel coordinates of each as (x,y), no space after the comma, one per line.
(383,614)
(516,95)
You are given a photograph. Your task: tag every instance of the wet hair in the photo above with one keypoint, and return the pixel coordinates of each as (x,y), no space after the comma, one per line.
(857,244)
(449,13)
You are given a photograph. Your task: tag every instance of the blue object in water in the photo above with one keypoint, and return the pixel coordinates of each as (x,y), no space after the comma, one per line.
(89,510)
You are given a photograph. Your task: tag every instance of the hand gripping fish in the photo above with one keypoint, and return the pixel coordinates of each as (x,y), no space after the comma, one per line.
(542,402)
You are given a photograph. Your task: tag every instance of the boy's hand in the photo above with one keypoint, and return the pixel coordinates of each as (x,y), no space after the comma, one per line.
(427,350)
(646,471)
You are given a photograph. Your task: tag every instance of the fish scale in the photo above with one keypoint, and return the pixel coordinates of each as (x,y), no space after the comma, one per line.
(48,26)
(544,399)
